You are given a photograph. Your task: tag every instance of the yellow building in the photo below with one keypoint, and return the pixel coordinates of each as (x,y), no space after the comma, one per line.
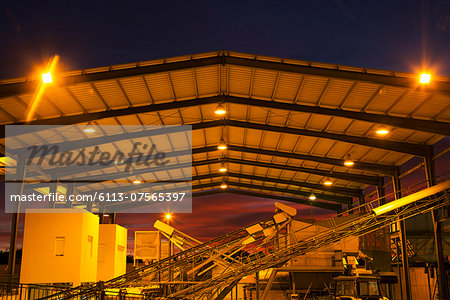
(59,247)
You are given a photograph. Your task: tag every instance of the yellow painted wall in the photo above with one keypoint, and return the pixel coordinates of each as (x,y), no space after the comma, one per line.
(112,251)
(44,260)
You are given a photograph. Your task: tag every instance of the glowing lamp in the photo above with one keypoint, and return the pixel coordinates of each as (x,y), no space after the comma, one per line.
(223,185)
(223,168)
(348,161)
(328,182)
(382,131)
(47,77)
(425,78)
(137,181)
(312,197)
(222,145)
(89,130)
(220,110)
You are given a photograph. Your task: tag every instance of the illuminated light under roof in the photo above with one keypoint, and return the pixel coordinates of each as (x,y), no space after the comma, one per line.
(222,145)
(382,131)
(47,77)
(223,168)
(348,161)
(89,130)
(328,182)
(425,78)
(223,185)
(220,110)
(312,197)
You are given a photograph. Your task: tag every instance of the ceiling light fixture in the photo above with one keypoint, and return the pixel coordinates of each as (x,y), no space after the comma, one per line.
(223,167)
(223,185)
(220,110)
(382,131)
(312,197)
(328,182)
(348,161)
(222,145)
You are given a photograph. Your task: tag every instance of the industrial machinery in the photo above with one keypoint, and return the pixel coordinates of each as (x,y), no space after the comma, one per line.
(263,245)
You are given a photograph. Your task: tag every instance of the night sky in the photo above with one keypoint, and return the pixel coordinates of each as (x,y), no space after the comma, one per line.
(393,35)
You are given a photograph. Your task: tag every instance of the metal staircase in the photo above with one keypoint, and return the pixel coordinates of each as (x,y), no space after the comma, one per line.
(189,274)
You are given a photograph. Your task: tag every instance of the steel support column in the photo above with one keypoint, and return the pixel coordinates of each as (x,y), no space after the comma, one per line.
(20,176)
(380,192)
(405,282)
(112,218)
(53,189)
(437,228)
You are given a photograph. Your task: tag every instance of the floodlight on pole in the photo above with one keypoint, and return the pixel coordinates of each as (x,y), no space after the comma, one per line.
(425,78)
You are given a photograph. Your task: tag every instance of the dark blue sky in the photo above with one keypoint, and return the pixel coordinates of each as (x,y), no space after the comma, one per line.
(395,35)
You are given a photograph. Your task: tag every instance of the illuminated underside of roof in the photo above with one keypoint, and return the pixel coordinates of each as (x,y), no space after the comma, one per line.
(289,125)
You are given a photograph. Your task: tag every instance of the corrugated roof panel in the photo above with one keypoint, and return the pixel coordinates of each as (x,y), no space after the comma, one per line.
(312,89)
(183,84)
(360,128)
(111,93)
(264,83)
(338,125)
(287,142)
(213,136)
(305,144)
(270,139)
(159,86)
(14,108)
(409,103)
(207,80)
(236,136)
(387,96)
(236,111)
(322,147)
(207,111)
(394,158)
(318,122)
(335,93)
(288,85)
(190,115)
(434,107)
(375,156)
(298,119)
(87,97)
(61,98)
(239,80)
(420,137)
(360,95)
(258,114)
(253,138)
(44,108)
(277,118)
(136,90)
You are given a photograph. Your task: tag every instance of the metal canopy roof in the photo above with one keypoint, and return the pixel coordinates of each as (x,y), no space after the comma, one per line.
(289,123)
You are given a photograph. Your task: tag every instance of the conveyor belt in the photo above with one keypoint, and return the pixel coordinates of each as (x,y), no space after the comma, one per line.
(257,247)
